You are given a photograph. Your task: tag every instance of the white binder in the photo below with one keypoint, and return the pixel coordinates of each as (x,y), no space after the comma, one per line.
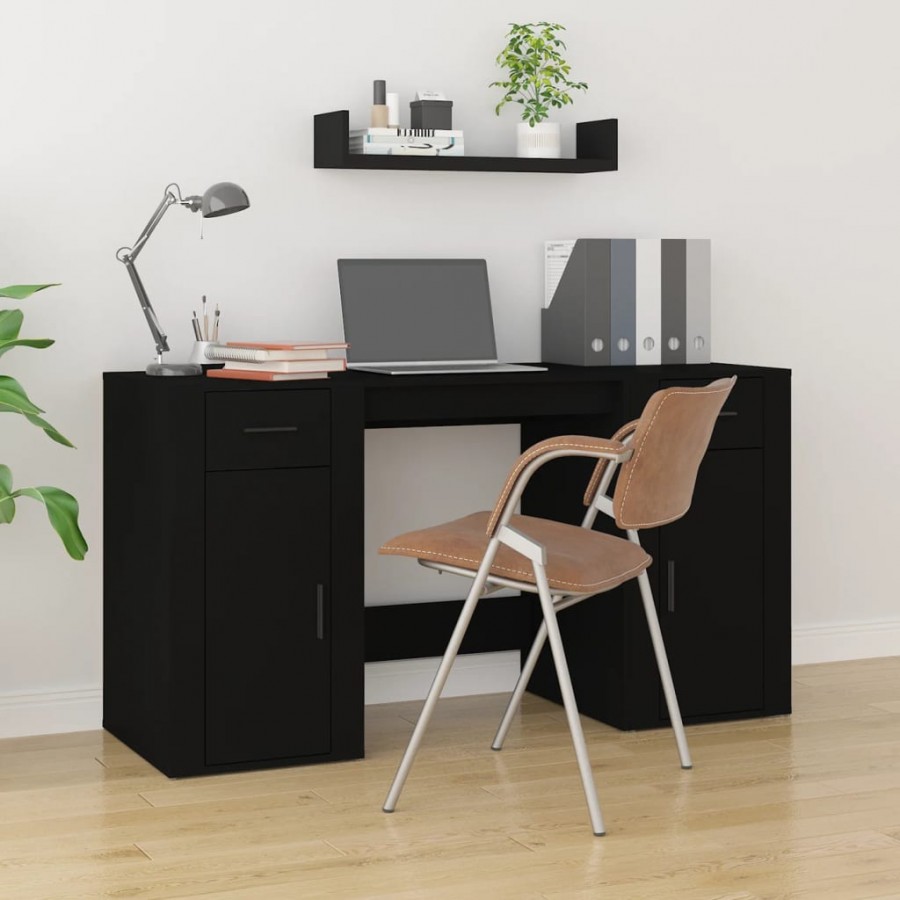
(648,289)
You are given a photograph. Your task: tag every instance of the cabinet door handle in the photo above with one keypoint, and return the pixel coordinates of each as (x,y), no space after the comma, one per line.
(670,587)
(320,612)
(270,429)
(727,412)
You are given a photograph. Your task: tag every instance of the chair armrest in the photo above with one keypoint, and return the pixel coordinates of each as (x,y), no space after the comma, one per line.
(591,490)
(535,456)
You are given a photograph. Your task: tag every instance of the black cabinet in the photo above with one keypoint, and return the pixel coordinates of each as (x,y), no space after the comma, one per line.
(224,644)
(720,578)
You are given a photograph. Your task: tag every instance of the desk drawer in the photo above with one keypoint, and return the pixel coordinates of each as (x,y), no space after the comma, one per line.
(466,403)
(267,429)
(740,422)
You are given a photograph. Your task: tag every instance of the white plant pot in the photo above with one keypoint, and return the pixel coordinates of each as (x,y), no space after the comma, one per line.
(539,141)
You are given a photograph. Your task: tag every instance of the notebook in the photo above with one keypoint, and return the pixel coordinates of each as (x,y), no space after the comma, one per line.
(419,317)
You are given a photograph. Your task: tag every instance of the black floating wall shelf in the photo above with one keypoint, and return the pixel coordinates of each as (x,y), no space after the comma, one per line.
(596,146)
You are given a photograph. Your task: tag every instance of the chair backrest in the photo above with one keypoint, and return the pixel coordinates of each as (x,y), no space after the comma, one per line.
(655,486)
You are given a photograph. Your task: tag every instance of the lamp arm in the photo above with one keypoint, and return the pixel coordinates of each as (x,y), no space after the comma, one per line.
(168,199)
(159,336)
(128,255)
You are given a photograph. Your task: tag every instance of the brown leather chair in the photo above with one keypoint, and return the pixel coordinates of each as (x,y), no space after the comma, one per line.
(659,455)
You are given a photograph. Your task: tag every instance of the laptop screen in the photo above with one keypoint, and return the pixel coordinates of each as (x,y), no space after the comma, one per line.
(416,310)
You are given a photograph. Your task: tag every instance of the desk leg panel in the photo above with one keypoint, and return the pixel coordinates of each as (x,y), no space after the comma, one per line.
(153,572)
(347,585)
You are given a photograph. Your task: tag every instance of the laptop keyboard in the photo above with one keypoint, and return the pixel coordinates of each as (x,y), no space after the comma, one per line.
(448,367)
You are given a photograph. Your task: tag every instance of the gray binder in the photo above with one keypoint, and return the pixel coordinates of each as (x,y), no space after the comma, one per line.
(622,302)
(674,324)
(575,325)
(697,301)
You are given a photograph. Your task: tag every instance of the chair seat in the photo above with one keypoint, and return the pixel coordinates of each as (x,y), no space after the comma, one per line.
(579,561)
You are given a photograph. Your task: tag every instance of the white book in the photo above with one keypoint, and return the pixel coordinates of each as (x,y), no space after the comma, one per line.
(648,296)
(381,133)
(422,148)
(296,365)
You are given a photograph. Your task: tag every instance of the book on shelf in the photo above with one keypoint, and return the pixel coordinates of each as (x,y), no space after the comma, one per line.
(263,375)
(404,133)
(421,147)
(251,352)
(290,365)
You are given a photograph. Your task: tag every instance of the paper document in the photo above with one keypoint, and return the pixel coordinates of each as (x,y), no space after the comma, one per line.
(556,257)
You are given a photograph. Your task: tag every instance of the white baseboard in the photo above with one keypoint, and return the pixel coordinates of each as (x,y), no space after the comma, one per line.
(853,640)
(22,715)
(472,673)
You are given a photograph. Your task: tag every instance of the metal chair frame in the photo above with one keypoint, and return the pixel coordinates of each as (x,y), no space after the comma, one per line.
(551,604)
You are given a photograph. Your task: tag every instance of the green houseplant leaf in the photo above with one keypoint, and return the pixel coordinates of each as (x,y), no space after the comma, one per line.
(13,397)
(21,291)
(10,324)
(7,503)
(62,507)
(62,510)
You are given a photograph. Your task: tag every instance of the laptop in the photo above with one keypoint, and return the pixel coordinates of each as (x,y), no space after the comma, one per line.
(419,317)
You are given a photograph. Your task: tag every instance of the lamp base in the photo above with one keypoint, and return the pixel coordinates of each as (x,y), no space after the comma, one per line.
(164,368)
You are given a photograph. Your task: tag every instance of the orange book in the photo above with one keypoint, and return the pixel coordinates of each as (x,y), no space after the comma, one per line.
(262,375)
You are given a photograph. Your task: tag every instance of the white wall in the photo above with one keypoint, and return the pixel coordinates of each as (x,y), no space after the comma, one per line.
(769,127)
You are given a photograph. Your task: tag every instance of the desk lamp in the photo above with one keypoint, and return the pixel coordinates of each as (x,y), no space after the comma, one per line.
(219,200)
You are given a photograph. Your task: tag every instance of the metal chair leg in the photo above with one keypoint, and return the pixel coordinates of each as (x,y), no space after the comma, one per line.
(440,678)
(662,662)
(568,696)
(519,691)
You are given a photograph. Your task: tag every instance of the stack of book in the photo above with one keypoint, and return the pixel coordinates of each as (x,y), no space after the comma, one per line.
(277,362)
(407,142)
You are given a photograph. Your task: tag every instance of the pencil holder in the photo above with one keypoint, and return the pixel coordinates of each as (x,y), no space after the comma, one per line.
(198,354)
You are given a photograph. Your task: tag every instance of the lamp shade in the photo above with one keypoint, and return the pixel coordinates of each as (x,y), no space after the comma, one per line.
(222,199)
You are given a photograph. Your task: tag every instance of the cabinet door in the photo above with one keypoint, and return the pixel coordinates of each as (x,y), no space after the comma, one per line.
(268,644)
(711,581)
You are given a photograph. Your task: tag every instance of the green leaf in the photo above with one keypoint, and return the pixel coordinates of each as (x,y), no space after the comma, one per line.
(51,432)
(7,504)
(10,324)
(14,399)
(62,510)
(37,343)
(21,291)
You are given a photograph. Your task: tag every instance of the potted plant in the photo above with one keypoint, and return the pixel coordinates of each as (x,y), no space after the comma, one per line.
(62,508)
(537,80)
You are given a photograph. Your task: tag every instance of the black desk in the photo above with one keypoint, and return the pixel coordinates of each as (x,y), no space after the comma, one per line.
(234,627)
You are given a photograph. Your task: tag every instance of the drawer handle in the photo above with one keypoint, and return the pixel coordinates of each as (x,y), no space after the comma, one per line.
(670,604)
(727,412)
(270,429)
(320,612)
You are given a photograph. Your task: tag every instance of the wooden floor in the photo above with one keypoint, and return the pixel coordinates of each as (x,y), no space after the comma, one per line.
(806,806)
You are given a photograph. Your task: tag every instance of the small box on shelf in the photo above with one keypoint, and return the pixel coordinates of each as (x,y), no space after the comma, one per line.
(431,114)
